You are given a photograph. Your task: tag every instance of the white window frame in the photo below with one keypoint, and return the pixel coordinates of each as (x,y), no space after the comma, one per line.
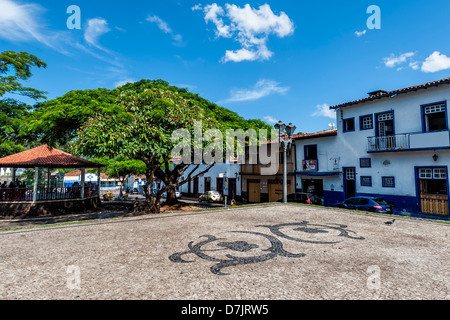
(433,109)
(367,122)
(433,173)
(350,174)
(386,116)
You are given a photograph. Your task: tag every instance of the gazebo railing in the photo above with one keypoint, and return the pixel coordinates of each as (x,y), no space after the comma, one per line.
(46,193)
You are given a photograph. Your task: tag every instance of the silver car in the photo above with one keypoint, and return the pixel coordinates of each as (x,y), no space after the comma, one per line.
(211,196)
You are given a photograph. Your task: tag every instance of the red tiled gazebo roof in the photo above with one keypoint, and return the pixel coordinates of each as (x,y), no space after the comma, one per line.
(45,157)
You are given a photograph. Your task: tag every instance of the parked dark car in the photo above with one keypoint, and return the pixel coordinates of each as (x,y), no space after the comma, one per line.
(372,204)
(303,198)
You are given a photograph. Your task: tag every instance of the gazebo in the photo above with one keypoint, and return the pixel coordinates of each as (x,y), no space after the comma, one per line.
(48,158)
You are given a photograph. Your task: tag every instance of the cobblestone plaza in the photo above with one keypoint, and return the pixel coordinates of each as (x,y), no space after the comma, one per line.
(277,252)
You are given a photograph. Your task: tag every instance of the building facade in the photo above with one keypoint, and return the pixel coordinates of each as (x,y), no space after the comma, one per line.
(318,164)
(222,177)
(258,187)
(391,144)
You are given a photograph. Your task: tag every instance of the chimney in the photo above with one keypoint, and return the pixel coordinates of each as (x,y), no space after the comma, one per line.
(377,93)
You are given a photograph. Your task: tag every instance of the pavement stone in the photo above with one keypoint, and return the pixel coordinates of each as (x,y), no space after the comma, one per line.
(272,252)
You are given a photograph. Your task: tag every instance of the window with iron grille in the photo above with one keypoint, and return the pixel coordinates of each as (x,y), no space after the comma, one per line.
(365,163)
(366,181)
(388,182)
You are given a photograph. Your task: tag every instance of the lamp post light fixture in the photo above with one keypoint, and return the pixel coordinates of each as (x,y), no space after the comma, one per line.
(285,134)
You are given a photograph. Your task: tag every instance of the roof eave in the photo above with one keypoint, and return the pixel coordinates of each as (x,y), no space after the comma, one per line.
(332,134)
(391,94)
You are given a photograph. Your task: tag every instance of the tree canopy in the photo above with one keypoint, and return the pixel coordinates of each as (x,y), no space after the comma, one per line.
(15,68)
(56,122)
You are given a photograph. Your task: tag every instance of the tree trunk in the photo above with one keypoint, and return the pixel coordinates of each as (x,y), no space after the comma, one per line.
(152,202)
(171,197)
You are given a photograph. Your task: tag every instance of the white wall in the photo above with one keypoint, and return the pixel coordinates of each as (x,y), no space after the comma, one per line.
(218,171)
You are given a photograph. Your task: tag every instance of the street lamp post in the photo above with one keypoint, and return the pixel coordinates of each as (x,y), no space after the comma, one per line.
(285,140)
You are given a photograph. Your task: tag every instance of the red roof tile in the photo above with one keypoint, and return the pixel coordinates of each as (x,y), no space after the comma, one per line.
(45,157)
(324,133)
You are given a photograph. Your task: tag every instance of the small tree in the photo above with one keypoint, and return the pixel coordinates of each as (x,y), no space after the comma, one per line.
(120,168)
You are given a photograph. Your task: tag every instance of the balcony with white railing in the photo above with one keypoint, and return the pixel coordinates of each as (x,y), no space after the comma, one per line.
(389,143)
(409,141)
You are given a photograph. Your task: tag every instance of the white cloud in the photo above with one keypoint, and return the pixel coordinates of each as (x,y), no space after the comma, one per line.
(164,27)
(436,62)
(160,23)
(394,61)
(414,65)
(240,55)
(270,119)
(360,33)
(212,13)
(323,110)
(249,26)
(262,88)
(94,30)
(197,7)
(17,22)
(21,23)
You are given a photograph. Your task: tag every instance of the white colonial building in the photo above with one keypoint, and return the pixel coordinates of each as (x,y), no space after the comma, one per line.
(222,177)
(392,144)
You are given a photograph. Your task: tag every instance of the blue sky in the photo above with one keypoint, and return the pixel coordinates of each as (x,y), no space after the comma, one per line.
(272,60)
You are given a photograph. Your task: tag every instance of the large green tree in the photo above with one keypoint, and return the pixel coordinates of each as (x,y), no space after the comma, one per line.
(143,131)
(14,69)
(170,173)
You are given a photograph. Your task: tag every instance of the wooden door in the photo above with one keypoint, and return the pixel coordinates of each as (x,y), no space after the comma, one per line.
(436,204)
(276,191)
(254,192)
